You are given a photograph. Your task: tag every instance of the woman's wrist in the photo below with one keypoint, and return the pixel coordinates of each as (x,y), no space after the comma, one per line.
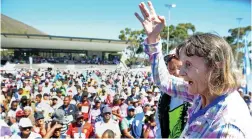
(151,40)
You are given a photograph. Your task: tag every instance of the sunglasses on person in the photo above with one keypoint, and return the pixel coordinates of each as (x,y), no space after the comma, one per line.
(25,128)
(107,113)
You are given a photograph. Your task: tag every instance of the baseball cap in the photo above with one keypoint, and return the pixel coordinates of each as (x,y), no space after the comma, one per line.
(79,115)
(148,113)
(146,104)
(98,99)
(58,91)
(135,100)
(25,122)
(85,94)
(123,96)
(131,108)
(20,113)
(156,90)
(59,115)
(38,115)
(106,109)
(27,108)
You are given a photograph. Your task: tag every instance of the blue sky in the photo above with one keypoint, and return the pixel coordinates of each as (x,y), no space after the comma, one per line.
(105,19)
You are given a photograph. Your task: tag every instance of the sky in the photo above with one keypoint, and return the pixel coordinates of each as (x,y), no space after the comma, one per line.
(105,19)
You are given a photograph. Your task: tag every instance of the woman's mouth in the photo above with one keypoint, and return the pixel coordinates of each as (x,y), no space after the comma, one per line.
(190,82)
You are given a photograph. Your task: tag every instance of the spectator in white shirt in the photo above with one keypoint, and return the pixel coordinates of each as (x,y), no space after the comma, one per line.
(107,123)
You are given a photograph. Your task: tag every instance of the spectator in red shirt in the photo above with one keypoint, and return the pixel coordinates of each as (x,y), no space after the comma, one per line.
(85,105)
(80,129)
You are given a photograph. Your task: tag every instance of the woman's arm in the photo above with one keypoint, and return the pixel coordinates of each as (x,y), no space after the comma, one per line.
(153,26)
(167,83)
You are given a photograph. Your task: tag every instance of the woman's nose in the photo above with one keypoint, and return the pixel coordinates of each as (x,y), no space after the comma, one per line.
(182,72)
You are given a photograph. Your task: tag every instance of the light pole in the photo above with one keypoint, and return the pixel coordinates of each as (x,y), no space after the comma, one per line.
(238,36)
(169,6)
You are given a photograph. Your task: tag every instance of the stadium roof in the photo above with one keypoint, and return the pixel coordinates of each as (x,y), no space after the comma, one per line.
(11,41)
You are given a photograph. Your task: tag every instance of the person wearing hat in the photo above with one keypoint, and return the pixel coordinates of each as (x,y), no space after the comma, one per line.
(95,111)
(29,113)
(137,124)
(81,128)
(149,128)
(39,126)
(138,108)
(54,131)
(24,102)
(25,126)
(56,102)
(123,106)
(12,121)
(126,123)
(85,105)
(116,112)
(72,88)
(107,123)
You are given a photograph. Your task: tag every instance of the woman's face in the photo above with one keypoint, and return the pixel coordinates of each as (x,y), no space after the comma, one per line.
(195,72)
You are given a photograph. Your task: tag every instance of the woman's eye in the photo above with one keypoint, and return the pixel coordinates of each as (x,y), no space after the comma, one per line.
(188,65)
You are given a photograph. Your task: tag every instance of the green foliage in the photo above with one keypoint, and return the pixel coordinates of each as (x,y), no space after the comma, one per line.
(233,41)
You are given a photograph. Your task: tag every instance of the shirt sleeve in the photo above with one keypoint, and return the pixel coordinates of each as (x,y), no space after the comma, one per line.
(123,124)
(167,83)
(227,131)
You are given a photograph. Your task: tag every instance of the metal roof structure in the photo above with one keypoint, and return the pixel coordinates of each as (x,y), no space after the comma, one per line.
(21,41)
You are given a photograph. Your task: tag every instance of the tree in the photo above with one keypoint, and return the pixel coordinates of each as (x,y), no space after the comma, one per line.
(233,41)
(135,38)
(177,34)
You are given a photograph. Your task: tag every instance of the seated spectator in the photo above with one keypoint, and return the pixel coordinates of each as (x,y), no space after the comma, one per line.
(107,123)
(70,110)
(126,123)
(149,129)
(29,114)
(54,131)
(95,111)
(80,129)
(40,124)
(25,126)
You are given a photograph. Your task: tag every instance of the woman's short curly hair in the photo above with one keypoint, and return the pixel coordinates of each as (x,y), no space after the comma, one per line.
(218,56)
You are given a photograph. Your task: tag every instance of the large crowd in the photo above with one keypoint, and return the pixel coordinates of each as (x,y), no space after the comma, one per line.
(199,82)
(63,60)
(53,103)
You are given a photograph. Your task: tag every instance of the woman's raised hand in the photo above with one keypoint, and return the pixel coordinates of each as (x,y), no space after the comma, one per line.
(152,23)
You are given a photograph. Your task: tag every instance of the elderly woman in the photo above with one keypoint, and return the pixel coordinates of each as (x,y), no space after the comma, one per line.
(209,82)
